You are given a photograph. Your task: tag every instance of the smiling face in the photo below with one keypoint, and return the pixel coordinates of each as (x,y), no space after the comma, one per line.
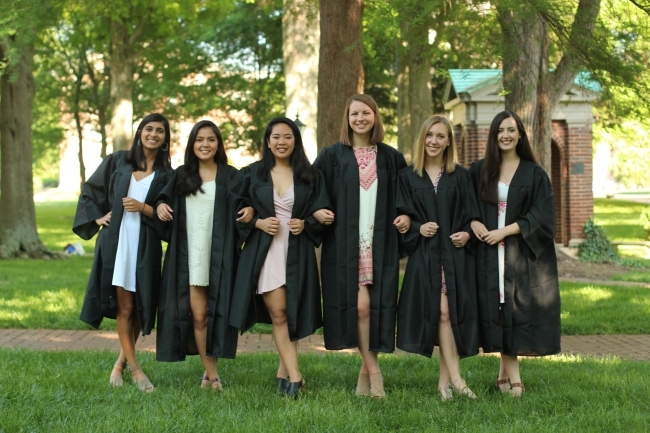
(281,142)
(152,135)
(361,118)
(436,140)
(206,144)
(508,135)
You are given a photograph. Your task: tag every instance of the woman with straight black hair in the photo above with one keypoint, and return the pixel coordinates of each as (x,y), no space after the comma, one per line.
(518,295)
(277,276)
(194,216)
(124,279)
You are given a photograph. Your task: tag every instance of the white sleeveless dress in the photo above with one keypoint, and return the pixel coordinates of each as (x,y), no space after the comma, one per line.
(126,259)
(199,221)
(501,223)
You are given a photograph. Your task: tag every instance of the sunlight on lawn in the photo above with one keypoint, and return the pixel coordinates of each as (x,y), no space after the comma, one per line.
(591,293)
(61,301)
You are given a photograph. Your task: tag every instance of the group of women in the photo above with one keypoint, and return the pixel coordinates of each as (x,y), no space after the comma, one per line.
(241,249)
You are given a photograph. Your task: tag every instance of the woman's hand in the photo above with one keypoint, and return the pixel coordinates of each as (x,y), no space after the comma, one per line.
(246,215)
(429,230)
(324,216)
(459,239)
(269,225)
(480,231)
(132,205)
(164,212)
(495,236)
(402,223)
(105,220)
(296,226)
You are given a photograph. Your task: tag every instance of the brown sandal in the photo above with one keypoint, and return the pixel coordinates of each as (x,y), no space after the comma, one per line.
(363,385)
(205,381)
(503,382)
(517,385)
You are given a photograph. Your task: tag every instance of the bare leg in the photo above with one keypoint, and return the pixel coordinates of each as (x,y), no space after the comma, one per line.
(282,370)
(370,365)
(449,351)
(503,375)
(276,302)
(126,319)
(511,365)
(199,307)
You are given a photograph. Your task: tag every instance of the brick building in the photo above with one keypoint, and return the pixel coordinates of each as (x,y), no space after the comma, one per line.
(472,98)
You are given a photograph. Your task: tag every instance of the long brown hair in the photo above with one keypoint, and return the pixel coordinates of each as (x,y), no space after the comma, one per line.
(377,133)
(450,156)
(492,162)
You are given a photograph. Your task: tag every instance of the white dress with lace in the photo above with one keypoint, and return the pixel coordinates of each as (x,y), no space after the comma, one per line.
(501,223)
(199,218)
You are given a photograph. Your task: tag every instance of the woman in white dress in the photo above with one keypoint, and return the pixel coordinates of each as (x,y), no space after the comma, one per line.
(194,217)
(124,279)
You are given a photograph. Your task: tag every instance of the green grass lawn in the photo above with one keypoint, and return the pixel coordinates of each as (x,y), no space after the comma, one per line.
(620,218)
(69,392)
(54,221)
(47,294)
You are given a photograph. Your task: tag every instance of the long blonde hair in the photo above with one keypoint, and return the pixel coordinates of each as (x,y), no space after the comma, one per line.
(450,156)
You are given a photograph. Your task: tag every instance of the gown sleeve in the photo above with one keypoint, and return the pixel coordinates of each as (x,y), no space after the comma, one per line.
(319,200)
(240,198)
(405,206)
(163,229)
(94,200)
(538,224)
(471,210)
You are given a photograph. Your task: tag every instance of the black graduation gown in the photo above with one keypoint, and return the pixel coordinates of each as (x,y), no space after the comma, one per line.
(102,193)
(531,312)
(340,253)
(418,312)
(304,315)
(175,336)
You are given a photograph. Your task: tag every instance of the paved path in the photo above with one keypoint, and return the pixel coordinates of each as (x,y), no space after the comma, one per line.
(636,347)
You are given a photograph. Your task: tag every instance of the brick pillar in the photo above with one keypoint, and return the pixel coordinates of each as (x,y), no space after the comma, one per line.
(580,178)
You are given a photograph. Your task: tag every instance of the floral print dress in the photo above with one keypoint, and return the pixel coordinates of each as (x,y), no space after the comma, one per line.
(367,160)
(435,188)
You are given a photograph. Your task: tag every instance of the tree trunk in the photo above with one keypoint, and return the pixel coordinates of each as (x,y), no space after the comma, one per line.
(300,40)
(404,137)
(533,91)
(340,64)
(18,234)
(82,166)
(101,114)
(121,86)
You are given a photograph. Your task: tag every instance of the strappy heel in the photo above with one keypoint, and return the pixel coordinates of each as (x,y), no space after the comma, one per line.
(445,393)
(117,380)
(294,389)
(501,382)
(144,384)
(205,381)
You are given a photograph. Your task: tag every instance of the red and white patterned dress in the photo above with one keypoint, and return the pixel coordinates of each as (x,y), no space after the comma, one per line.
(435,188)
(367,160)
(501,223)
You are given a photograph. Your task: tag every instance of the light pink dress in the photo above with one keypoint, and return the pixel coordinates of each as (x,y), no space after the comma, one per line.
(274,270)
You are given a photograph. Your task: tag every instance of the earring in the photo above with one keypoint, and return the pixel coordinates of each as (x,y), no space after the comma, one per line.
(139,143)
(164,147)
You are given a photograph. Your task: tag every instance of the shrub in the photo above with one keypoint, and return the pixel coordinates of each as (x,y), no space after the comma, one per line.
(597,247)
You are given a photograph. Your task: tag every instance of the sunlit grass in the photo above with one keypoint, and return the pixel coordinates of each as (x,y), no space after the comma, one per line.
(70,392)
(621,219)
(594,309)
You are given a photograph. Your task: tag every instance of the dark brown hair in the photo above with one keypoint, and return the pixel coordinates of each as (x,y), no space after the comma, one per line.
(377,133)
(492,163)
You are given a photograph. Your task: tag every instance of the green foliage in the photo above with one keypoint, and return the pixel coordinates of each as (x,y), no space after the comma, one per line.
(596,247)
(621,219)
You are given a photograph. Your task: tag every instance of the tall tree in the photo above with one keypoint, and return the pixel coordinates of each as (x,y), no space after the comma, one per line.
(22,20)
(340,63)
(533,90)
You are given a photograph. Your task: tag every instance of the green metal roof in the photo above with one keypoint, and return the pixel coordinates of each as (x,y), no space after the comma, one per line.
(464,80)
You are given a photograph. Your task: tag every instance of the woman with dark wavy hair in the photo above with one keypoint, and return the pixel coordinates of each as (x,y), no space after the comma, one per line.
(277,276)
(124,279)
(518,288)
(194,217)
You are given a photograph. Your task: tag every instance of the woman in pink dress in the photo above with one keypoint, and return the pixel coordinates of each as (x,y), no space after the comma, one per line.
(277,275)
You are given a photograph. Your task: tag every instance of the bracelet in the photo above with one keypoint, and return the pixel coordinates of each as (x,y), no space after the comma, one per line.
(143,206)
